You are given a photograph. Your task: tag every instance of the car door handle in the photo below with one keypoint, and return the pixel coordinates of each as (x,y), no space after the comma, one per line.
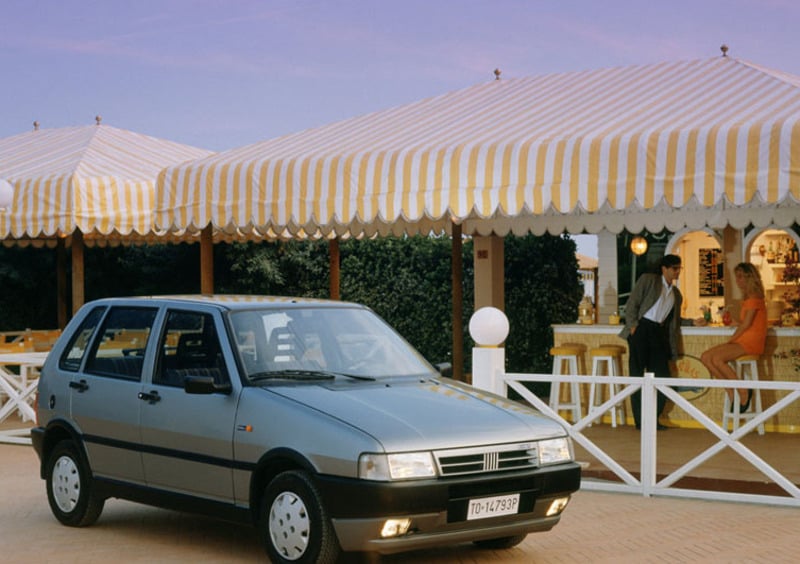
(151,397)
(81,386)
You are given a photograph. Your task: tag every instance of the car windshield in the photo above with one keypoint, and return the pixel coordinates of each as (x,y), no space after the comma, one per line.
(320,343)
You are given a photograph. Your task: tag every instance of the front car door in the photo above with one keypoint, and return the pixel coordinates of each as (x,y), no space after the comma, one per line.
(187,438)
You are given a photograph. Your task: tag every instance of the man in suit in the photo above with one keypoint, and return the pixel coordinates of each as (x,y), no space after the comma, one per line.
(652,328)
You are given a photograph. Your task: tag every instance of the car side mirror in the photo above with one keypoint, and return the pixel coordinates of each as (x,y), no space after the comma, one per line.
(205,385)
(445,369)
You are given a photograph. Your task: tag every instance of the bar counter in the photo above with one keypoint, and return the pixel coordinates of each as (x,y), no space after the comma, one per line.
(775,365)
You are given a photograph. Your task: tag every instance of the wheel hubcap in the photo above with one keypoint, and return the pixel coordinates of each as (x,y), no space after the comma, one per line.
(289,526)
(66,484)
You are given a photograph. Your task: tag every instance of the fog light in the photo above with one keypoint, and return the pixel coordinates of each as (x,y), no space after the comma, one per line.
(557,506)
(395,527)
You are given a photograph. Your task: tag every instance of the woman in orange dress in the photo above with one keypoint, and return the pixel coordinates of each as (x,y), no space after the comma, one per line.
(751,331)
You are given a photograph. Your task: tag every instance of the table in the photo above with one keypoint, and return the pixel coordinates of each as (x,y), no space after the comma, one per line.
(17,390)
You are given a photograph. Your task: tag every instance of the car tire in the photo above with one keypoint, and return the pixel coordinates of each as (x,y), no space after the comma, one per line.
(501,543)
(69,487)
(294,524)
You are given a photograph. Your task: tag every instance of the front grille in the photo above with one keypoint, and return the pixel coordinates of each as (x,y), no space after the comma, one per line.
(487,459)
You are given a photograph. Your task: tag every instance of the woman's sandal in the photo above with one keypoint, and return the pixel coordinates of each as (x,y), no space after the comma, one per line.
(743,407)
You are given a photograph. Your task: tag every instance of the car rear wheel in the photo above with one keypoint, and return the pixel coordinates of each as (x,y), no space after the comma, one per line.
(500,543)
(69,487)
(294,523)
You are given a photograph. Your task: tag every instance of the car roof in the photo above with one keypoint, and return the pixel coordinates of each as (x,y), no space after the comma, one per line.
(229,301)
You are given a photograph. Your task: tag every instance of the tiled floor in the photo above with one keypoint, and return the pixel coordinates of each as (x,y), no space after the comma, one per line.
(596,527)
(726,470)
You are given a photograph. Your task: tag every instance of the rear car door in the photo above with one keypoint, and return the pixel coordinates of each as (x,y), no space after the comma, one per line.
(187,438)
(107,363)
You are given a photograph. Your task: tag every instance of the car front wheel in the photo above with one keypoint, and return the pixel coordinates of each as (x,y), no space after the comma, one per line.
(294,524)
(69,488)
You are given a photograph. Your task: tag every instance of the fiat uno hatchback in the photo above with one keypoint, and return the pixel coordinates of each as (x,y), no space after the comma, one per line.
(311,420)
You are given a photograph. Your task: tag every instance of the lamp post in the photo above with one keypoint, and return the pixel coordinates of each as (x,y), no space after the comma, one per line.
(639,245)
(488,327)
(638,248)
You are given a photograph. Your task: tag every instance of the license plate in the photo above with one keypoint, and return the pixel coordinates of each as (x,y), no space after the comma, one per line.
(484,507)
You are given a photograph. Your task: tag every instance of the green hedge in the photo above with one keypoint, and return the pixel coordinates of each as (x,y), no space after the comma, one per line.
(406,280)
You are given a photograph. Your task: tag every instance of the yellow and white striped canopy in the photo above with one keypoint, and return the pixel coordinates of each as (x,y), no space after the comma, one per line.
(710,142)
(96,178)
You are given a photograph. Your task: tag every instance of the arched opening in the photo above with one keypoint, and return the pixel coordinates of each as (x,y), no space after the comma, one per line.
(770,250)
(702,279)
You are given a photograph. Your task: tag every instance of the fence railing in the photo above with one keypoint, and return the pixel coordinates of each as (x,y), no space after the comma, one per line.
(648,484)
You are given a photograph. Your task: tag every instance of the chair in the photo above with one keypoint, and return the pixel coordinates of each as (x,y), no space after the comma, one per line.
(607,361)
(746,369)
(191,351)
(566,357)
(285,348)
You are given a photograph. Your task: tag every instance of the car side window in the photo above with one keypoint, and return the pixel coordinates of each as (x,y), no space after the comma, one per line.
(189,346)
(79,343)
(119,352)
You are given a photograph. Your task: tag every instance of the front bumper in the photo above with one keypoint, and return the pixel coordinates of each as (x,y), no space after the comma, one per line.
(438,508)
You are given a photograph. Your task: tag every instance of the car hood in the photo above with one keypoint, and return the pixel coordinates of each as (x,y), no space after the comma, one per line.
(430,413)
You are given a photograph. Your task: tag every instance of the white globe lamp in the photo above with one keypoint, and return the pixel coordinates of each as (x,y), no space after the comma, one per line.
(488,327)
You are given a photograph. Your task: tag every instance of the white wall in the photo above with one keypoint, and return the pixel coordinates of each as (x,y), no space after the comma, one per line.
(608,299)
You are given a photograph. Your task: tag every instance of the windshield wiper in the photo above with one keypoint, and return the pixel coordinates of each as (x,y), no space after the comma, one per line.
(292,374)
(356,377)
(300,374)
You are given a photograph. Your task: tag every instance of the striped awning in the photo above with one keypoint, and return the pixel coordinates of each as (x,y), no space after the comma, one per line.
(97,179)
(701,143)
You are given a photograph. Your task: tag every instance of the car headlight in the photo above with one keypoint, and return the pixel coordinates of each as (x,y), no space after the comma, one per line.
(554,451)
(402,466)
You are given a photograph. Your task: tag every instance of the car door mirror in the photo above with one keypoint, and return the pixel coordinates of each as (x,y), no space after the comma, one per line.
(205,385)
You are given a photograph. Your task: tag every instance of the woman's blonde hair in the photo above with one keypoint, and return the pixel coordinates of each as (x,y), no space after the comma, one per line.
(753,285)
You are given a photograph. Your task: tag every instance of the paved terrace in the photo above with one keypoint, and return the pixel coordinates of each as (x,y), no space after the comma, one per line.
(596,527)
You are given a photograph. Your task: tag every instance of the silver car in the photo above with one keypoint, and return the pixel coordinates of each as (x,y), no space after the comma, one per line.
(312,420)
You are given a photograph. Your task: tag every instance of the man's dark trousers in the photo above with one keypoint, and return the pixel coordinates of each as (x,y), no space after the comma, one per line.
(649,351)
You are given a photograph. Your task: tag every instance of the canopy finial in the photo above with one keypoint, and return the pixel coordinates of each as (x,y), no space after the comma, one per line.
(98,119)
(36,126)
(724,49)
(497,74)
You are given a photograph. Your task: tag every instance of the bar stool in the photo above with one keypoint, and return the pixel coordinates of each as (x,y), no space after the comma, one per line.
(746,369)
(607,361)
(565,361)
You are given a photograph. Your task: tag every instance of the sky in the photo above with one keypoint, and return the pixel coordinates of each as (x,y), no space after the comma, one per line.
(220,74)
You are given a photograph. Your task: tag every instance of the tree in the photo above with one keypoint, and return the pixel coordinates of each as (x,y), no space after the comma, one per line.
(406,280)
(542,288)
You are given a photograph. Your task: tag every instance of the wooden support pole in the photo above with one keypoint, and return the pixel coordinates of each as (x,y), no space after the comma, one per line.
(334,280)
(62,288)
(207,260)
(457,276)
(78,295)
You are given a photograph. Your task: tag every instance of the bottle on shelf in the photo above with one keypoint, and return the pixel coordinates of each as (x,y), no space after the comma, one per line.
(586,311)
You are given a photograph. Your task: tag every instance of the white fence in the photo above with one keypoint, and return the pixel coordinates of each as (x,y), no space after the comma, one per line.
(647,484)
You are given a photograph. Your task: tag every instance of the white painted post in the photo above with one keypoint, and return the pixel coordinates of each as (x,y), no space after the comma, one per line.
(488,369)
(488,327)
(648,437)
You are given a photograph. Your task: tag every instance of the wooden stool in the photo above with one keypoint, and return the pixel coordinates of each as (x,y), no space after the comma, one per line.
(607,361)
(750,363)
(565,362)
